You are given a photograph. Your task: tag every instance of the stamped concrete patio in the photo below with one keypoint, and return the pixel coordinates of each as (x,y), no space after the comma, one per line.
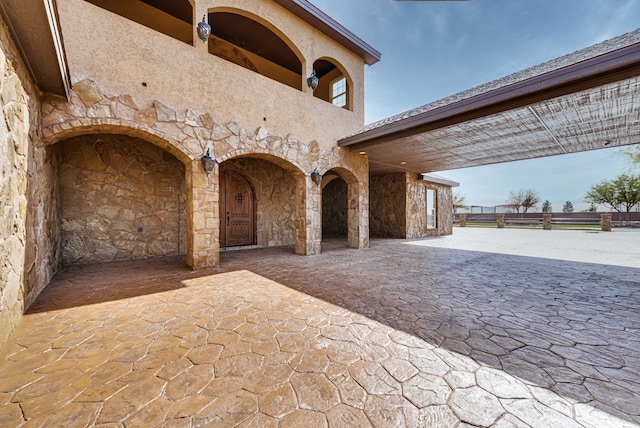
(427,333)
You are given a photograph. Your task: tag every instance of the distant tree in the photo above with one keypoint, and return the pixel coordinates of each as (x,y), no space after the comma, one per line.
(592,208)
(567,207)
(633,154)
(621,193)
(459,201)
(524,199)
(546,207)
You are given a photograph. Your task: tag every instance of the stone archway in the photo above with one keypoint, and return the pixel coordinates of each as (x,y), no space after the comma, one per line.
(188,135)
(276,187)
(345,202)
(334,207)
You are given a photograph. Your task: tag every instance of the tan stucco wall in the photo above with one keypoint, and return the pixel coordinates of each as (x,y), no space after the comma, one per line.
(184,76)
(28,207)
(122,198)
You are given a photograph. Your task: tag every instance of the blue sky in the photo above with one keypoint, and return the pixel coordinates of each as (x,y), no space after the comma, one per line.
(432,49)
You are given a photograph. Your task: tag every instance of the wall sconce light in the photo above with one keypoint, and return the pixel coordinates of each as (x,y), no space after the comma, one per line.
(207,162)
(312,81)
(316,177)
(204,29)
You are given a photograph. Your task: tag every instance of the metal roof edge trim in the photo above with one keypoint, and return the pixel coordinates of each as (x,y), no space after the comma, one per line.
(323,22)
(439,180)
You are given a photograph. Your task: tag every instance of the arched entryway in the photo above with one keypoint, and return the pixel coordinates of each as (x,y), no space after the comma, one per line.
(334,208)
(342,221)
(258,201)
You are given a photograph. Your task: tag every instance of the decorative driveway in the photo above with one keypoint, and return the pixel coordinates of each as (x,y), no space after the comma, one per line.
(405,333)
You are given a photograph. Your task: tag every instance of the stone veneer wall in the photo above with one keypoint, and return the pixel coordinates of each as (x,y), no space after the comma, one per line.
(275,200)
(334,208)
(417,212)
(122,198)
(187,134)
(398,207)
(29,249)
(387,202)
(416,207)
(444,200)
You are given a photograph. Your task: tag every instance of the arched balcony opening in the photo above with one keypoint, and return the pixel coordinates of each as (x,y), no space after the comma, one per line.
(250,44)
(171,17)
(334,86)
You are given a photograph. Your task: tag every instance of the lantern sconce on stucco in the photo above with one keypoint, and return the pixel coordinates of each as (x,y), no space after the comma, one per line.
(204,29)
(316,177)
(312,81)
(208,163)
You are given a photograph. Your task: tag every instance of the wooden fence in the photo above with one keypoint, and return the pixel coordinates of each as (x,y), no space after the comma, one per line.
(559,217)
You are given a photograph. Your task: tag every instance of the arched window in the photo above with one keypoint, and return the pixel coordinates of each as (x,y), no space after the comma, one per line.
(333,85)
(249,44)
(171,17)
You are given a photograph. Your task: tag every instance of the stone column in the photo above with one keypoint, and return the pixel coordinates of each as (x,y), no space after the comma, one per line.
(500,220)
(463,220)
(605,222)
(308,215)
(203,216)
(357,217)
(546,221)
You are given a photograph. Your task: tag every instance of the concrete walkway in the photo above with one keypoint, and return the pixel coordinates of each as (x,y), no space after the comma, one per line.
(406,333)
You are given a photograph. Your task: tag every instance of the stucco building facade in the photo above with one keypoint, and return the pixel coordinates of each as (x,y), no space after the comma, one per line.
(108,165)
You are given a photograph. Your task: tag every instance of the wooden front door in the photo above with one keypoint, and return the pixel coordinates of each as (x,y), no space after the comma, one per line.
(236,210)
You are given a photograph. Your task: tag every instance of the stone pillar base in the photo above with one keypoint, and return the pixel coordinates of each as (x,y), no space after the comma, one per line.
(605,222)
(500,220)
(546,221)
(463,220)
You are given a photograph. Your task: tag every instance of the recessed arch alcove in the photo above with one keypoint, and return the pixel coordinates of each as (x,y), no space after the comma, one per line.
(121,198)
(276,187)
(334,84)
(253,43)
(341,207)
(173,18)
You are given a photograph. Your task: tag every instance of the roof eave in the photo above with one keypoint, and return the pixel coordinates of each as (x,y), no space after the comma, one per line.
(564,79)
(440,180)
(35,30)
(323,22)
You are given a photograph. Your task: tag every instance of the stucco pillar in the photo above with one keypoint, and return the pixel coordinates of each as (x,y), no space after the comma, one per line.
(463,220)
(546,221)
(199,10)
(308,216)
(605,222)
(203,217)
(500,220)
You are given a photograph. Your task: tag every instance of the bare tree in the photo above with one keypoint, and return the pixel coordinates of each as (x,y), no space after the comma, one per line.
(459,201)
(523,199)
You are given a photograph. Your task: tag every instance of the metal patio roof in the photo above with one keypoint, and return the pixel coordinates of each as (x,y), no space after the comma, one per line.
(586,100)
